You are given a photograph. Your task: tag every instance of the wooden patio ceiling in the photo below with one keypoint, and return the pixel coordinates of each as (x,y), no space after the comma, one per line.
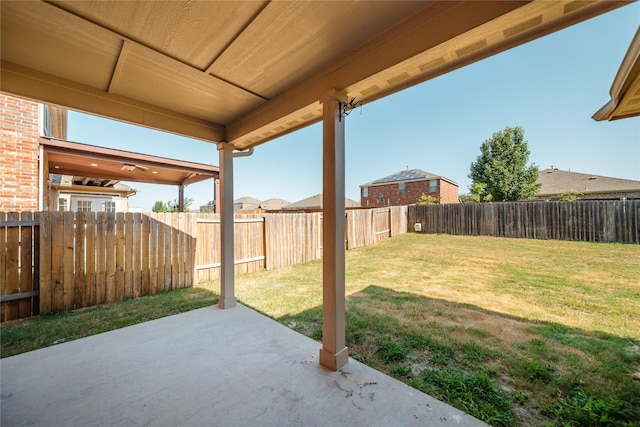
(245,72)
(71,158)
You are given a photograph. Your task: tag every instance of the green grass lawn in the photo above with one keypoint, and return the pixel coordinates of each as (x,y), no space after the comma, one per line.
(514,332)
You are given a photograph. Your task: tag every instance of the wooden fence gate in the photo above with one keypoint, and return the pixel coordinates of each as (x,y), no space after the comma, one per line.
(19,265)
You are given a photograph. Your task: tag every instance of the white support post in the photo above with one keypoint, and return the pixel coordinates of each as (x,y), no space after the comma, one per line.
(334,353)
(227,285)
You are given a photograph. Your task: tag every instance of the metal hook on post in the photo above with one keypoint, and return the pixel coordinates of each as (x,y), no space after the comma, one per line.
(347,107)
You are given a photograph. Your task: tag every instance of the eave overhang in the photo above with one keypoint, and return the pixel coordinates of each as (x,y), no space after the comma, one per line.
(72,158)
(625,90)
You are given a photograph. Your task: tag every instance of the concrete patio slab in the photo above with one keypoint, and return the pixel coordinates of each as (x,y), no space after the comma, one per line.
(207,367)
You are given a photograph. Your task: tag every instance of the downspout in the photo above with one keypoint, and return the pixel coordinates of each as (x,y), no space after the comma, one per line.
(181,198)
(41,180)
(243,153)
(216,195)
(44,129)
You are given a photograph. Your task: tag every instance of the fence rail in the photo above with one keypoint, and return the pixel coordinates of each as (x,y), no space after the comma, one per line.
(59,261)
(591,221)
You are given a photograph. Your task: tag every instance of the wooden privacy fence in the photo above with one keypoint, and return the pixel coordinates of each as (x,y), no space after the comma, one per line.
(19,268)
(89,258)
(368,226)
(276,240)
(59,261)
(591,221)
(292,238)
(249,251)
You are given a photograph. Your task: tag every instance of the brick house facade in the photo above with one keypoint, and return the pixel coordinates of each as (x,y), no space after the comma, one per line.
(405,187)
(19,159)
(25,182)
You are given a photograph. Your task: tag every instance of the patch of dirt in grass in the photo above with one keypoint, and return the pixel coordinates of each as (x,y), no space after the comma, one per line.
(462,323)
(504,329)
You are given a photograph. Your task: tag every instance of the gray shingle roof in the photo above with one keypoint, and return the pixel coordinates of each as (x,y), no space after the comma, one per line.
(406,175)
(315,202)
(555,182)
(273,204)
(247,200)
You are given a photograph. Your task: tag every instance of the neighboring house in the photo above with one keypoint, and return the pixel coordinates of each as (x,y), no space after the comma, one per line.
(554,182)
(315,203)
(68,193)
(405,187)
(22,123)
(246,204)
(273,204)
(209,207)
(25,182)
(85,177)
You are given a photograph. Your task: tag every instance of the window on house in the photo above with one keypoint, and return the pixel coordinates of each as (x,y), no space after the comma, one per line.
(63,204)
(365,191)
(84,205)
(433,186)
(401,188)
(108,206)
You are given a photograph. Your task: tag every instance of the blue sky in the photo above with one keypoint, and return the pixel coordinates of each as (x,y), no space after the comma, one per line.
(551,87)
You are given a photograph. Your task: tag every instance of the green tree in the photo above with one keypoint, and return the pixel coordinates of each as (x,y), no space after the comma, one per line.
(501,168)
(425,200)
(159,206)
(479,193)
(571,196)
(172,205)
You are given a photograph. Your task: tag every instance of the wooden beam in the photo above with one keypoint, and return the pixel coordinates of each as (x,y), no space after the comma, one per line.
(102,153)
(32,84)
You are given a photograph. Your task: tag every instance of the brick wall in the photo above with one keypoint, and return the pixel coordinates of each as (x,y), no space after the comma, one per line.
(447,192)
(19,155)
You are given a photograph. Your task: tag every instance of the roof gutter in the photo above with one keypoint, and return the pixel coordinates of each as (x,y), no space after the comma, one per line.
(628,71)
